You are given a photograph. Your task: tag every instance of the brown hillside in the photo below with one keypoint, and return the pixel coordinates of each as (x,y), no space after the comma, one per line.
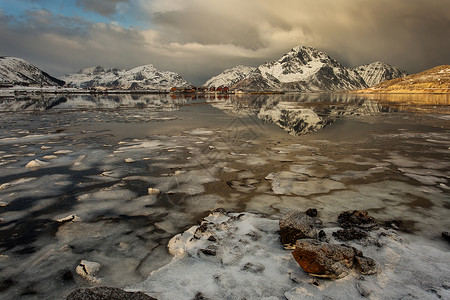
(435,80)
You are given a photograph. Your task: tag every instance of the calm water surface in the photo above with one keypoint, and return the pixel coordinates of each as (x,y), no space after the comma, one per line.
(96,157)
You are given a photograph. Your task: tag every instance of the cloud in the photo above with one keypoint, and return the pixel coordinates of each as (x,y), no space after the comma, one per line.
(199,39)
(102,7)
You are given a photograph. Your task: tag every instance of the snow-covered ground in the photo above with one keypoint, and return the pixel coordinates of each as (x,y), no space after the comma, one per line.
(107,182)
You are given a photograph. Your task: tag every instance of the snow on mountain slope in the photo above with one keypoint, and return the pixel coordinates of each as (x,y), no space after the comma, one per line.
(142,77)
(230,76)
(435,80)
(377,72)
(303,69)
(17,71)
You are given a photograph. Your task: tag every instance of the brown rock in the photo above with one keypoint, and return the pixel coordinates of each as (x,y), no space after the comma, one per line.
(106,293)
(297,225)
(349,234)
(357,218)
(323,259)
(330,260)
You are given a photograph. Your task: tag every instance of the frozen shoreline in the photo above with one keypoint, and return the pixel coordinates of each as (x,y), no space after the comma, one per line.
(238,255)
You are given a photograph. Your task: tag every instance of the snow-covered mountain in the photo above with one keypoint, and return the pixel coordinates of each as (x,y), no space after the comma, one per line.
(230,76)
(143,77)
(17,71)
(435,80)
(302,69)
(377,72)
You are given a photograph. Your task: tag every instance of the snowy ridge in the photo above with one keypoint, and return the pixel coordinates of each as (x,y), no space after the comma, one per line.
(142,77)
(303,69)
(230,76)
(17,71)
(377,72)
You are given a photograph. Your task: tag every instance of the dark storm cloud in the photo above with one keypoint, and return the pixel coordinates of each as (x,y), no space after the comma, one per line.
(198,38)
(103,7)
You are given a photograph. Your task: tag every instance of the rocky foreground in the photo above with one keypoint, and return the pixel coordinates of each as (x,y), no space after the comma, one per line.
(240,256)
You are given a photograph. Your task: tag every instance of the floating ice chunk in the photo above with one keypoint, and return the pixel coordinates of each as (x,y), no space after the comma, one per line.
(69,218)
(36,163)
(48,157)
(402,161)
(16,182)
(62,152)
(200,131)
(428,180)
(87,270)
(142,145)
(152,191)
(79,161)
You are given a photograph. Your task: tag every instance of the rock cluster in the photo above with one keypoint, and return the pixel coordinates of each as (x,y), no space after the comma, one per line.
(106,293)
(322,258)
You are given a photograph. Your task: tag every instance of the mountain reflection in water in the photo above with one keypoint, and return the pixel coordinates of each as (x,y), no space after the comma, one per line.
(295,113)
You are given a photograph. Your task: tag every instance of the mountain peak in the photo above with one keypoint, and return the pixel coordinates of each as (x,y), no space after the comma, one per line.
(377,72)
(230,76)
(141,77)
(20,72)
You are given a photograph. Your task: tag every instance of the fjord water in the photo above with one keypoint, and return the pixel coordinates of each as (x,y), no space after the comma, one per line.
(94,158)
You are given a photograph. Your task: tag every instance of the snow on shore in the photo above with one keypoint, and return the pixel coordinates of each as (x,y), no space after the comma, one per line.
(239,256)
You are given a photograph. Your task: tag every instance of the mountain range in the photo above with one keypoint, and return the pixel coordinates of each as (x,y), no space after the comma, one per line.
(305,69)
(140,78)
(302,69)
(17,71)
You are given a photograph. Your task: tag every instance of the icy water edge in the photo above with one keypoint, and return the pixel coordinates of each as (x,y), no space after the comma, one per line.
(86,196)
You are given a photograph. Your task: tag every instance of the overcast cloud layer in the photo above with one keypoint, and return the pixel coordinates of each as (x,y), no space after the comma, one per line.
(199,39)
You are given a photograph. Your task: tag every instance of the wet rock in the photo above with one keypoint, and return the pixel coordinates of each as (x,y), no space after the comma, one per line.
(357,218)
(312,212)
(87,270)
(366,265)
(297,225)
(106,293)
(67,276)
(322,235)
(210,251)
(394,224)
(323,259)
(36,163)
(349,234)
(333,261)
(446,236)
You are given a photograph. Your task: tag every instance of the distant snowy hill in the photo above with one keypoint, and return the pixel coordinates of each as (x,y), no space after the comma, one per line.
(435,80)
(377,72)
(230,76)
(303,69)
(17,71)
(143,77)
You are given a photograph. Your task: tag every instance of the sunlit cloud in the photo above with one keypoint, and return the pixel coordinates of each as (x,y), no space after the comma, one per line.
(199,39)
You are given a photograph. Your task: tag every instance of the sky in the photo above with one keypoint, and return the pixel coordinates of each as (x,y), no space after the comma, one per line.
(200,38)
